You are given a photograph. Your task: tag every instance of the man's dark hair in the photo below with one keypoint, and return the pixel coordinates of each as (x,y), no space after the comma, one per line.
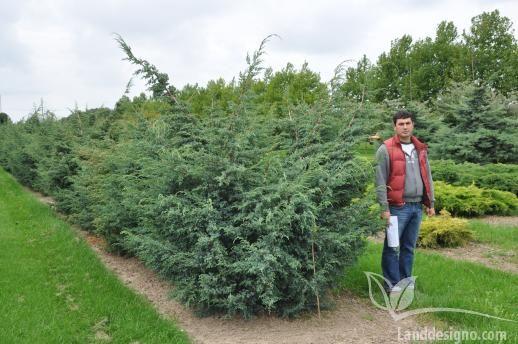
(402,114)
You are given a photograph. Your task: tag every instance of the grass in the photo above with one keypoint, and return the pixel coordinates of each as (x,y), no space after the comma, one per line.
(53,289)
(443,282)
(505,237)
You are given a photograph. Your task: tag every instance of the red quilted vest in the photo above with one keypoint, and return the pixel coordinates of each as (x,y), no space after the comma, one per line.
(396,182)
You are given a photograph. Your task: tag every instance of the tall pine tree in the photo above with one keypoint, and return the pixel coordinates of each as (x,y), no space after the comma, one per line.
(479,127)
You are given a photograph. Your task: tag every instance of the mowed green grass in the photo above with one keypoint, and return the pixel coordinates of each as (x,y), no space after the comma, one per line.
(53,289)
(502,237)
(443,282)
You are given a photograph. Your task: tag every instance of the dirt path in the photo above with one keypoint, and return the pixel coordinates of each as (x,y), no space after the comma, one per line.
(487,255)
(42,198)
(500,220)
(353,320)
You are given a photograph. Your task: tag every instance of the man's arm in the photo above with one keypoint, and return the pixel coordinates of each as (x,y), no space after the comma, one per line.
(382,175)
(431,210)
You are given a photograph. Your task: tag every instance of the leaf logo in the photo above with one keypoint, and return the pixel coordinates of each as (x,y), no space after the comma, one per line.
(372,278)
(402,295)
(399,298)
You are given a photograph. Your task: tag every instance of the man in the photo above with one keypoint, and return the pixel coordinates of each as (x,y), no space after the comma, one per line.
(403,184)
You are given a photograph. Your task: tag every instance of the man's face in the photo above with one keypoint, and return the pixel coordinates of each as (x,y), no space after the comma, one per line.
(404,128)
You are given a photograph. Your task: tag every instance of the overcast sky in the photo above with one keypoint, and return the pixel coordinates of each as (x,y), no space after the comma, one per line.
(64,52)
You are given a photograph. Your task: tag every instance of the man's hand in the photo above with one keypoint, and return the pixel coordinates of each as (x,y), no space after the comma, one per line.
(386,215)
(430,211)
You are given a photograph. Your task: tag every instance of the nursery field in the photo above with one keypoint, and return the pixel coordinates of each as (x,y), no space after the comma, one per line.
(252,200)
(58,290)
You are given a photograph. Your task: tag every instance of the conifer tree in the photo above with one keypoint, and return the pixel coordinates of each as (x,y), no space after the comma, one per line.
(478,128)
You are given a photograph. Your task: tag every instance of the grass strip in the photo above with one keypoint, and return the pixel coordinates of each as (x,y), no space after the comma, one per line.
(444,282)
(53,289)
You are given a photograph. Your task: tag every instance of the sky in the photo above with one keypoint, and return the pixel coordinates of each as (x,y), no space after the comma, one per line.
(64,53)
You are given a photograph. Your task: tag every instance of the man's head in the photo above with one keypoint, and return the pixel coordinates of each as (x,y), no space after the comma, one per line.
(403,124)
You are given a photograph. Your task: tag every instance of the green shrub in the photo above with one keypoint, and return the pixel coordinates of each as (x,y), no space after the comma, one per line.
(473,201)
(444,231)
(230,208)
(490,176)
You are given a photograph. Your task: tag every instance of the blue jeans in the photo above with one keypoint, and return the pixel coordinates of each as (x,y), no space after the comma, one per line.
(397,262)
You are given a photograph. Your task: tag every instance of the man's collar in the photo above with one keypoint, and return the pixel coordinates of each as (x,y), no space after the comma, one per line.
(418,144)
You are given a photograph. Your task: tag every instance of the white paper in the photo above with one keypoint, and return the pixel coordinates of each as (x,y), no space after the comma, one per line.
(393,233)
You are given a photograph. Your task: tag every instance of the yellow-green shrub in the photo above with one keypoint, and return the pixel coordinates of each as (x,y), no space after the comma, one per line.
(444,231)
(473,201)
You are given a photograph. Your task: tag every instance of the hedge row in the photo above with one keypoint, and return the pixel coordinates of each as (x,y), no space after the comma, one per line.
(490,176)
(243,215)
(472,201)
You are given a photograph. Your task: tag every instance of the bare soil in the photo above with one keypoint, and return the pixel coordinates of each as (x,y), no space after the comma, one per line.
(41,197)
(501,220)
(487,255)
(353,320)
